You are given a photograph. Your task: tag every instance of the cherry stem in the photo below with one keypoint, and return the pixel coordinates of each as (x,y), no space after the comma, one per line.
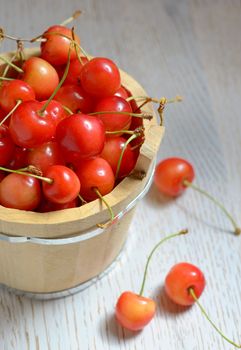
(112,216)
(42,110)
(21,172)
(5,78)
(182,232)
(75,47)
(154,99)
(130,132)
(8,66)
(138,115)
(67,109)
(75,15)
(191,291)
(11,112)
(83,201)
(3,35)
(237,229)
(132,137)
(19,70)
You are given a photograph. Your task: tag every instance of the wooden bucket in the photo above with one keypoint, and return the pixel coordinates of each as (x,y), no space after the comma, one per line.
(47,255)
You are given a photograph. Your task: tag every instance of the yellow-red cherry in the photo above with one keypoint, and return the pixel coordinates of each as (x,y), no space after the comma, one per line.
(134,311)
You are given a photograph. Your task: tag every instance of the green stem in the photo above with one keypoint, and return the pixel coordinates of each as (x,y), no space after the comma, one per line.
(41,111)
(191,291)
(182,232)
(237,229)
(112,216)
(83,201)
(19,70)
(20,172)
(138,115)
(11,112)
(132,137)
(4,78)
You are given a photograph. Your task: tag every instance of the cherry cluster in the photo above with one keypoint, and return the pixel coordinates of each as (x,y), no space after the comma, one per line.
(69,130)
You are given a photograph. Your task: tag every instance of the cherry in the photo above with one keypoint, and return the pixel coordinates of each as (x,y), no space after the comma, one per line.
(184,284)
(14,90)
(20,192)
(80,136)
(64,187)
(75,68)
(112,152)
(74,98)
(114,121)
(134,311)
(19,159)
(170,175)
(55,110)
(100,77)
(41,76)
(122,92)
(47,206)
(180,279)
(45,155)
(55,49)
(7,146)
(28,127)
(95,173)
(174,175)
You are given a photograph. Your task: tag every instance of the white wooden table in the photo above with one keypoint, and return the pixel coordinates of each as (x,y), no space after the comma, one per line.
(192,48)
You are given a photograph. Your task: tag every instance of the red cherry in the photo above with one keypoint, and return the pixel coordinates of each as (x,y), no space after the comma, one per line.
(47,206)
(114,121)
(19,159)
(55,110)
(75,68)
(170,175)
(133,311)
(56,49)
(41,76)
(95,173)
(45,155)
(65,186)
(112,152)
(28,128)
(20,192)
(15,90)
(100,77)
(7,146)
(75,98)
(180,279)
(122,92)
(80,136)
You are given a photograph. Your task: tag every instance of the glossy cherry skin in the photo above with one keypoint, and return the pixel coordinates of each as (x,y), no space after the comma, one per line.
(28,128)
(75,98)
(7,146)
(133,311)
(41,76)
(65,186)
(180,278)
(55,50)
(95,172)
(45,155)
(122,92)
(80,136)
(100,77)
(20,192)
(114,121)
(12,91)
(170,175)
(19,159)
(56,111)
(112,151)
(75,68)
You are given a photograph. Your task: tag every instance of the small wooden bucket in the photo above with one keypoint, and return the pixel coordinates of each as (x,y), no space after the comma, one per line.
(48,255)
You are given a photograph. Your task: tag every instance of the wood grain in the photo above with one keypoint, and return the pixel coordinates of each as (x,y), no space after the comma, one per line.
(191,48)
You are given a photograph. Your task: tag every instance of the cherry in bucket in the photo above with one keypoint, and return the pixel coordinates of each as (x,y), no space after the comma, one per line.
(184,284)
(174,175)
(134,311)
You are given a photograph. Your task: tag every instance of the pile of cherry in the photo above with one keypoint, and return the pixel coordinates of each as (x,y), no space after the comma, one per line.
(65,120)
(69,132)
